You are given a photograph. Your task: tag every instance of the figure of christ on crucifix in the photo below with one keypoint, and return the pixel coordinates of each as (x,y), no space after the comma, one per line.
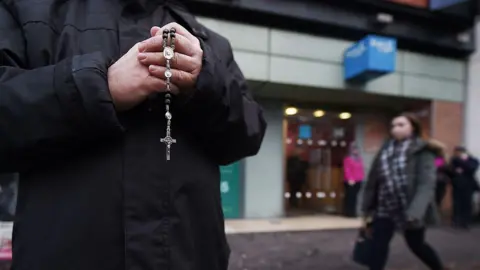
(168,141)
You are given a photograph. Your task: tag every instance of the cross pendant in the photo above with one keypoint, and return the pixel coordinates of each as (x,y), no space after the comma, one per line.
(168,141)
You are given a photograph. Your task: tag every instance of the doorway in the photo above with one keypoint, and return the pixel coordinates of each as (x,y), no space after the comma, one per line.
(321,139)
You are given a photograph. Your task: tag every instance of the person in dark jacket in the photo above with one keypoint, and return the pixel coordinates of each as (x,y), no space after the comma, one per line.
(117,115)
(296,175)
(464,168)
(399,193)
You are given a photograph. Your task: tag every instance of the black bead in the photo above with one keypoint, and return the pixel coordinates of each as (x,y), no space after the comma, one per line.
(165,35)
(173,30)
(168,95)
(165,31)
(167,101)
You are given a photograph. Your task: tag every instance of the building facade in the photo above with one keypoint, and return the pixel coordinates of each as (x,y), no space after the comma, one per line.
(308,63)
(294,56)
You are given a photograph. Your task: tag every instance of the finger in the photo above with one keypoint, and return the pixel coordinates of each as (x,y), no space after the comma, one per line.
(180,78)
(155,30)
(179,29)
(195,49)
(179,61)
(156,84)
(155,44)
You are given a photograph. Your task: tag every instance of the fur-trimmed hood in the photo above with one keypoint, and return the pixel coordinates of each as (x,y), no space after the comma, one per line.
(436,146)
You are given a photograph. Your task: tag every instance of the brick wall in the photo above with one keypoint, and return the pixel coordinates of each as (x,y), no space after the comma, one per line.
(375,132)
(447,127)
(415,3)
(447,123)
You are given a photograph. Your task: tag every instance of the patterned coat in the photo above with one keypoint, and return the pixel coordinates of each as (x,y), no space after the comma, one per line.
(421,176)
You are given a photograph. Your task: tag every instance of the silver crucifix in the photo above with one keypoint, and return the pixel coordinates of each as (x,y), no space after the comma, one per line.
(168,141)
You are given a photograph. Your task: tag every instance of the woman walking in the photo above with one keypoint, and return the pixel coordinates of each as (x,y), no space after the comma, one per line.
(354,175)
(399,193)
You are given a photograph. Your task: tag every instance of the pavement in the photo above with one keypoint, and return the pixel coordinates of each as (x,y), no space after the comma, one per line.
(331,250)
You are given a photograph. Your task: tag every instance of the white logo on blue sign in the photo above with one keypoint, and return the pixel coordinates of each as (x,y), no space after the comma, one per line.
(356,51)
(370,58)
(383,46)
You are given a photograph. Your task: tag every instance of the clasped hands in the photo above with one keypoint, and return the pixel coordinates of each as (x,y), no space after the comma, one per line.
(186,64)
(140,72)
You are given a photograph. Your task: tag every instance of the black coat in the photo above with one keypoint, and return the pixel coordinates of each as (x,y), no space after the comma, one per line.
(466,180)
(96,192)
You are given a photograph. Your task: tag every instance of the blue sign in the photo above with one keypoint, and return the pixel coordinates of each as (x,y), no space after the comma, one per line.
(304,132)
(440,4)
(370,58)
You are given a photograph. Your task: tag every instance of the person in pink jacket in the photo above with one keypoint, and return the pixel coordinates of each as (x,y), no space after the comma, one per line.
(354,175)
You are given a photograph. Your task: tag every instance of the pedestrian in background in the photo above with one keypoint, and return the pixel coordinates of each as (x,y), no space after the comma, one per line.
(354,175)
(464,166)
(443,171)
(296,175)
(399,193)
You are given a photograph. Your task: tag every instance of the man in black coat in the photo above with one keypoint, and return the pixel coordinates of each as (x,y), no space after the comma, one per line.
(83,107)
(464,183)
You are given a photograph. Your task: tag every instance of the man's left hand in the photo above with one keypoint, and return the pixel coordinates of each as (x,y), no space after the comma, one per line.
(185,65)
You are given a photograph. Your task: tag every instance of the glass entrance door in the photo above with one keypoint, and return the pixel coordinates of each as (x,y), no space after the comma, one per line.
(323,146)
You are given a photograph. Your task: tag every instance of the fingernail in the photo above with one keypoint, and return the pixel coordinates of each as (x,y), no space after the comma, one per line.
(153,68)
(142,56)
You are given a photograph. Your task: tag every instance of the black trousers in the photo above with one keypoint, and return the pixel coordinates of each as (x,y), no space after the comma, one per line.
(350,199)
(382,234)
(462,206)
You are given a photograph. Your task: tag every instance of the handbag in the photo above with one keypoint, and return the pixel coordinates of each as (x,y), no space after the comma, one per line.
(362,251)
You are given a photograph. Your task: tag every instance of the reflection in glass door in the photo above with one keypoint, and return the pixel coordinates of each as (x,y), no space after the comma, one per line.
(323,146)
(321,172)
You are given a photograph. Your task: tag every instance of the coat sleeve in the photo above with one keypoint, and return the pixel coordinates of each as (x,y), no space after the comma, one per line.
(347,168)
(470,165)
(48,111)
(425,190)
(222,113)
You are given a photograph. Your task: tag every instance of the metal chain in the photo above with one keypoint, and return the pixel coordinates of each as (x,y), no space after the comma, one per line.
(168,53)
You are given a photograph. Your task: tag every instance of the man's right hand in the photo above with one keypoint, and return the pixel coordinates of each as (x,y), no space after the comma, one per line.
(130,82)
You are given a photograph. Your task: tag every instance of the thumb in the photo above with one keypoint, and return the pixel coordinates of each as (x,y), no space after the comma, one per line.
(155,30)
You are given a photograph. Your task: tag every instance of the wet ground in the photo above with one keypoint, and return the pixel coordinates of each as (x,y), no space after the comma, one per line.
(331,250)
